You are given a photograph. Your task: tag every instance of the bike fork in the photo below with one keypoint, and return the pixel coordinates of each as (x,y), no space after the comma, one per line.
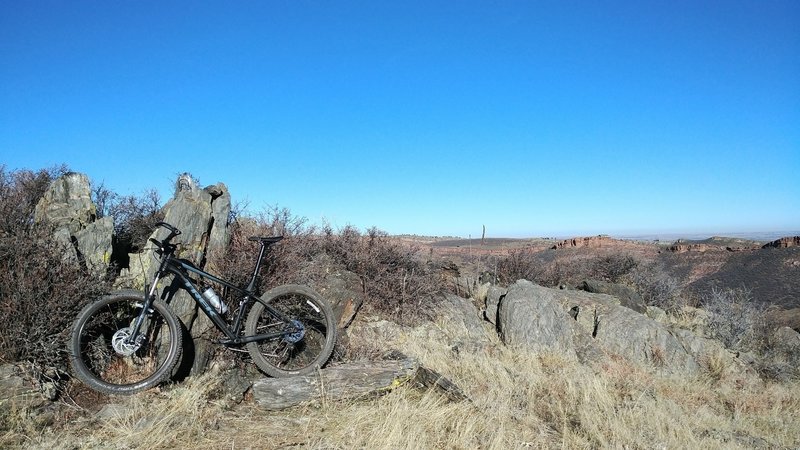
(148,302)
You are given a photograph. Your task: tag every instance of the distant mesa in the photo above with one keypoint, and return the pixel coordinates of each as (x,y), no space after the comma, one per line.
(585,242)
(784,242)
(715,243)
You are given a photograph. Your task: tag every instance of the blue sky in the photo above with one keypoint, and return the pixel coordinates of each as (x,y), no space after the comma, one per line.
(531,118)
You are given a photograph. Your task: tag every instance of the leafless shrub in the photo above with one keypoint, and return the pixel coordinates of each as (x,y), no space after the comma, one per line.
(563,271)
(612,268)
(394,278)
(41,293)
(657,287)
(135,218)
(283,262)
(20,190)
(735,319)
(520,264)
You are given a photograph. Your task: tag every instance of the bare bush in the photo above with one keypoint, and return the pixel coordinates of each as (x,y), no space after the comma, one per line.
(612,268)
(41,293)
(394,278)
(564,271)
(520,264)
(283,262)
(135,217)
(735,319)
(20,190)
(657,287)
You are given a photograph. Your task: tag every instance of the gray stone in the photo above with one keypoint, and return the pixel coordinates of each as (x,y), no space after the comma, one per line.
(493,297)
(624,332)
(94,244)
(67,203)
(343,290)
(456,310)
(626,295)
(530,317)
(67,206)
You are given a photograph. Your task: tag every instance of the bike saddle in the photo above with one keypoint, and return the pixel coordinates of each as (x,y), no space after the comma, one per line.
(266,239)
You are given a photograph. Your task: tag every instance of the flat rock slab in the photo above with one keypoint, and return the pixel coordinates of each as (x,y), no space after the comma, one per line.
(352,380)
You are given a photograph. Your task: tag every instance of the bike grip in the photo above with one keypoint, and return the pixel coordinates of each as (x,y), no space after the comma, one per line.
(155,241)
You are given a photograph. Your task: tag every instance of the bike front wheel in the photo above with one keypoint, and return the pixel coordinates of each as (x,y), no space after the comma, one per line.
(308,327)
(107,361)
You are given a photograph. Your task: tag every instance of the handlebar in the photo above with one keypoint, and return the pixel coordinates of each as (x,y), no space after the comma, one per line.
(165,243)
(173,231)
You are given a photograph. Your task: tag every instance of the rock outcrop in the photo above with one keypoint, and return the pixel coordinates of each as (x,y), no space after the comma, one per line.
(67,207)
(67,203)
(202,217)
(595,327)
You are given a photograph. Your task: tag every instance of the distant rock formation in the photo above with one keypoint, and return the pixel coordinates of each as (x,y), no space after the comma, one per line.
(715,243)
(585,242)
(784,242)
(683,248)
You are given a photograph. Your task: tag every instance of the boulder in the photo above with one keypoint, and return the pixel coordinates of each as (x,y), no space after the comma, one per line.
(352,380)
(782,363)
(594,327)
(94,244)
(530,317)
(626,295)
(463,313)
(19,397)
(624,332)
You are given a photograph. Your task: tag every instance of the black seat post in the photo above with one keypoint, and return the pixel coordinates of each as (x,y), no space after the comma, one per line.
(252,285)
(265,242)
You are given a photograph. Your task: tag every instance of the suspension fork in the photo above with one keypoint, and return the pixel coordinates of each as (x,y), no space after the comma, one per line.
(148,303)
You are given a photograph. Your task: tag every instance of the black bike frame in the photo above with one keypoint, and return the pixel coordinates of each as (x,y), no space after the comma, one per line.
(180,269)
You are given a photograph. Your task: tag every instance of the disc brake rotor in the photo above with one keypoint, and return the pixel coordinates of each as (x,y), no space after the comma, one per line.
(118,341)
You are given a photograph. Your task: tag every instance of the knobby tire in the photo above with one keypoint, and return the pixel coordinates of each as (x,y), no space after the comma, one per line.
(292,355)
(96,363)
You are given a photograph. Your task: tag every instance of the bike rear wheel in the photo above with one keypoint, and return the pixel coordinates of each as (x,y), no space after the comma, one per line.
(302,351)
(102,358)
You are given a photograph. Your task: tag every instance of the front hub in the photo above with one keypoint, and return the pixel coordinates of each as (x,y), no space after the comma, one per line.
(298,333)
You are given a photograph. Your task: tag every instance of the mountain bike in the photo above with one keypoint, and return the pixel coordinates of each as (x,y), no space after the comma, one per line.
(129,341)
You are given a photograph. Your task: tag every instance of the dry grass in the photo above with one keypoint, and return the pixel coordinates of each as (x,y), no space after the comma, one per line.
(518,400)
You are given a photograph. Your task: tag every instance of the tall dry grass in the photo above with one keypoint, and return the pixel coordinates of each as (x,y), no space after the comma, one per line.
(518,400)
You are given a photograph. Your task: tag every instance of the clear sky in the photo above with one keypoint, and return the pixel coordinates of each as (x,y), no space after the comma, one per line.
(429,117)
